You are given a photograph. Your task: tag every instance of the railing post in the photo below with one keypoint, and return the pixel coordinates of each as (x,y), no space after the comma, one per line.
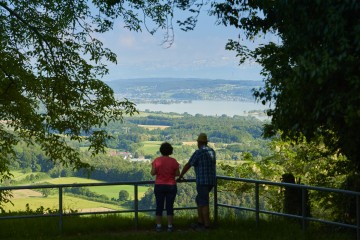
(215,202)
(358,217)
(60,209)
(257,204)
(136,206)
(303,209)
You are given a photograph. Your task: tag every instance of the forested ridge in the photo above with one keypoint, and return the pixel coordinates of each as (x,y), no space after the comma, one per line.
(184,89)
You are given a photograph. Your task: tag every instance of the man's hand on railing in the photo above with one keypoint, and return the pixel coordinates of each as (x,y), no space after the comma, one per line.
(180,179)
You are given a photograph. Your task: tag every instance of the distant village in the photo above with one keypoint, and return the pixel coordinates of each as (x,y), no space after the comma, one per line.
(128,156)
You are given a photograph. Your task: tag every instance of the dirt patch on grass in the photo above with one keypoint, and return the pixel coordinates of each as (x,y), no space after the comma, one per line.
(25,193)
(189,143)
(98,209)
(152,127)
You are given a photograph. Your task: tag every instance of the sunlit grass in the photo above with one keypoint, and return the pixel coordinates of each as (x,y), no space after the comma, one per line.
(35,199)
(150,147)
(109,191)
(52,202)
(152,127)
(19,175)
(71,180)
(113,191)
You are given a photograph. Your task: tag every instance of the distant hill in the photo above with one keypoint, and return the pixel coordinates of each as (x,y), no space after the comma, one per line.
(184,89)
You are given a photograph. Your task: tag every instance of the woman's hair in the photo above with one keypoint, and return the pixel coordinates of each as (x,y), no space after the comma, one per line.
(166,149)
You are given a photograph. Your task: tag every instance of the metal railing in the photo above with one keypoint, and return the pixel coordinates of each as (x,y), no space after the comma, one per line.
(304,218)
(61,212)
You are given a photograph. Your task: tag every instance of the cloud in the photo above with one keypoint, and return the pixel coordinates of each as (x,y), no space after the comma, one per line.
(126,41)
(200,62)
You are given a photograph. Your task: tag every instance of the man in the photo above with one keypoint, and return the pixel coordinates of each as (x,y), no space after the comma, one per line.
(204,162)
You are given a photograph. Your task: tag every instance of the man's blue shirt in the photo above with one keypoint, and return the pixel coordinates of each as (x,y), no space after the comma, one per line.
(204,162)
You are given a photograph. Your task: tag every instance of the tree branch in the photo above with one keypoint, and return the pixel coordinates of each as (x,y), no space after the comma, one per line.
(35,30)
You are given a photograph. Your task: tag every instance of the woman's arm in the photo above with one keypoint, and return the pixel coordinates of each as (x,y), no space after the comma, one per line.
(153,170)
(177,173)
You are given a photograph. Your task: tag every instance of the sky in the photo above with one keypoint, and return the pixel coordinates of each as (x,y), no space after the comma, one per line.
(195,54)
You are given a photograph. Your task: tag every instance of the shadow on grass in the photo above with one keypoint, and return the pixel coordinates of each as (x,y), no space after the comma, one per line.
(123,227)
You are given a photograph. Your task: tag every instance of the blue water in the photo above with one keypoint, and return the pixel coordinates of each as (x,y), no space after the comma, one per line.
(207,108)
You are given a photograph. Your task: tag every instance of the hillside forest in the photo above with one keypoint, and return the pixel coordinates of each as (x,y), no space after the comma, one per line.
(241,152)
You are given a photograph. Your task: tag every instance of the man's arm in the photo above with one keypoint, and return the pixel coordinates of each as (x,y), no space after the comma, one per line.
(184,170)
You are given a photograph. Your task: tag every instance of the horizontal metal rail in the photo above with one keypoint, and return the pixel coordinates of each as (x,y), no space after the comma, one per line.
(61,213)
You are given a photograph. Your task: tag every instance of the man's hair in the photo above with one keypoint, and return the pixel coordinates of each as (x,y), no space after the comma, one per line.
(166,149)
(202,138)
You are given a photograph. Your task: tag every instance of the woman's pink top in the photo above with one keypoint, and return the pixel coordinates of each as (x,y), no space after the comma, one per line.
(165,168)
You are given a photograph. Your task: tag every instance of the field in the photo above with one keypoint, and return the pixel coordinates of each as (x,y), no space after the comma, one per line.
(166,115)
(152,127)
(35,199)
(151,147)
(113,191)
(110,191)
(18,176)
(52,202)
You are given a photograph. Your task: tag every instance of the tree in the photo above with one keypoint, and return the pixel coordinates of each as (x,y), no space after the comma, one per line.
(123,195)
(311,74)
(45,192)
(50,66)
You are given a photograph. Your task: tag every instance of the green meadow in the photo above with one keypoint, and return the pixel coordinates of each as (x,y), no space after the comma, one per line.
(18,175)
(35,199)
(110,191)
(52,202)
(150,147)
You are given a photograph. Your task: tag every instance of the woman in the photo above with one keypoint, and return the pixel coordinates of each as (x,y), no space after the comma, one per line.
(166,169)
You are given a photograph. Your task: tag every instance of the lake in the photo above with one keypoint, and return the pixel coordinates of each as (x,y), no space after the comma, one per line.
(208,108)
